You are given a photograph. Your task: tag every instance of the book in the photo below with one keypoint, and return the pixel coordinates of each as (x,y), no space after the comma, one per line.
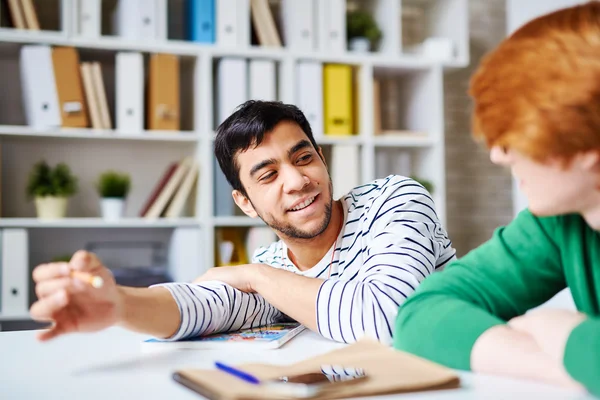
(271,336)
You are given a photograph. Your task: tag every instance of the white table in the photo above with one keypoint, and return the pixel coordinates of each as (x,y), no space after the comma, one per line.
(110,365)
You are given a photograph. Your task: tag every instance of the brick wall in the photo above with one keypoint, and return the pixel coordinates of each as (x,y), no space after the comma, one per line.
(478,192)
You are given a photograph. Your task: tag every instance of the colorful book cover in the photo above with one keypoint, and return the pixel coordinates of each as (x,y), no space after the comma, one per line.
(269,336)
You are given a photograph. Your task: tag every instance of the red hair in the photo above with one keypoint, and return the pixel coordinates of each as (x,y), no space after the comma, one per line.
(539,91)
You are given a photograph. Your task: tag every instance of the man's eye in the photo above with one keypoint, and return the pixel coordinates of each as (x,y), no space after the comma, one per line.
(268,176)
(305,159)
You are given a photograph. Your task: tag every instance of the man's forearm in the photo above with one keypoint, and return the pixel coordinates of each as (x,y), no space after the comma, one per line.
(503,351)
(152,311)
(292,294)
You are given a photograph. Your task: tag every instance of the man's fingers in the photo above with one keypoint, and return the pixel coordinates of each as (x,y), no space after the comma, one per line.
(50,271)
(45,309)
(52,332)
(85,261)
(49,287)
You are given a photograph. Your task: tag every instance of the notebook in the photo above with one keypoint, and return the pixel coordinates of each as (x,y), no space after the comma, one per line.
(271,336)
(387,371)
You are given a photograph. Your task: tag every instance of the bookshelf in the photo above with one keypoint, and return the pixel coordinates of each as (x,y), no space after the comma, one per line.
(416,106)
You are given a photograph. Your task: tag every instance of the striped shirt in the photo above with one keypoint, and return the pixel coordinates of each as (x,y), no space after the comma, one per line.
(391,240)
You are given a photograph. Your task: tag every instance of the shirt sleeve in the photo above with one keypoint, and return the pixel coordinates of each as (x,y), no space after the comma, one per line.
(406,243)
(517,269)
(214,307)
(582,354)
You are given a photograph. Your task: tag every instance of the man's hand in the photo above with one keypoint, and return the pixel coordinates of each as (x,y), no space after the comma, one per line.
(549,328)
(241,277)
(71,304)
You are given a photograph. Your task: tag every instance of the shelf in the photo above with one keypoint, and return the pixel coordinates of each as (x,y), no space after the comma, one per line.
(17,317)
(185,48)
(332,140)
(97,223)
(407,140)
(86,133)
(237,221)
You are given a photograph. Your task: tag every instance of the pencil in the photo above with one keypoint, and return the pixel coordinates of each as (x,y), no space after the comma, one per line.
(86,277)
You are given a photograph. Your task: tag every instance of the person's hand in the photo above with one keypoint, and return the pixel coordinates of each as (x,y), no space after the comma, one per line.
(240,277)
(550,328)
(70,303)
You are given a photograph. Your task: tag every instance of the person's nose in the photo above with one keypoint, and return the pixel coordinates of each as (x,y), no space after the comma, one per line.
(294,180)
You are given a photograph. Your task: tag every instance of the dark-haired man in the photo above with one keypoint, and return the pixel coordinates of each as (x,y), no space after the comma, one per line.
(341,268)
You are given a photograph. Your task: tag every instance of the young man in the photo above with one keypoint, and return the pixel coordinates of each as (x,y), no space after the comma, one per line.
(342,267)
(537,105)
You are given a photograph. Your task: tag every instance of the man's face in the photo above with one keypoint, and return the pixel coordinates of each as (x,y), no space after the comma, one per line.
(287,183)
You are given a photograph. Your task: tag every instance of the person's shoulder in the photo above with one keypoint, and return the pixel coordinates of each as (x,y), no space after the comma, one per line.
(555,226)
(384,188)
(267,254)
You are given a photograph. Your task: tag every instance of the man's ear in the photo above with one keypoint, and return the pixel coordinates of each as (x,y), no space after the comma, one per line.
(320,151)
(244,204)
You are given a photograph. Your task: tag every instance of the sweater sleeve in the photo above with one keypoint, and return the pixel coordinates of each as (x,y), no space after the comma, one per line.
(517,269)
(582,355)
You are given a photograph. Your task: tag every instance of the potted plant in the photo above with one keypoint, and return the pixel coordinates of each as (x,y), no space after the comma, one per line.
(113,188)
(51,188)
(362,31)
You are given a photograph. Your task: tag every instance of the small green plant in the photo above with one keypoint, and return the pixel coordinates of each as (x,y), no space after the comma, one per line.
(114,184)
(47,181)
(428,185)
(362,24)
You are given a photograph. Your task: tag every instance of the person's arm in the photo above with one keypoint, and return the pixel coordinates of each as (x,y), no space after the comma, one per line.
(445,320)
(582,354)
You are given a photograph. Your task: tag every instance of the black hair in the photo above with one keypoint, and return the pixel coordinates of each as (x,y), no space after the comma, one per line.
(247,127)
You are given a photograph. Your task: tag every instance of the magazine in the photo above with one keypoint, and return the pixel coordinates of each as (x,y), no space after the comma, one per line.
(270,336)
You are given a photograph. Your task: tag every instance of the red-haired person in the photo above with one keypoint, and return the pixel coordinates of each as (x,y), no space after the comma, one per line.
(537,107)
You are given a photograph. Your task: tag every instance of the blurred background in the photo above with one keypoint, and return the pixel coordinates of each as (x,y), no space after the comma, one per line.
(109,107)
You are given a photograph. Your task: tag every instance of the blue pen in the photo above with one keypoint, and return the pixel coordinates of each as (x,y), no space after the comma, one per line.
(237,373)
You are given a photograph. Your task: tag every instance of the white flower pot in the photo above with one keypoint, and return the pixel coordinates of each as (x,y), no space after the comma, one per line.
(360,45)
(112,208)
(50,207)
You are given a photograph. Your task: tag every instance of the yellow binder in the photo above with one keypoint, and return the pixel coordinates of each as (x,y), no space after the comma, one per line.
(338,99)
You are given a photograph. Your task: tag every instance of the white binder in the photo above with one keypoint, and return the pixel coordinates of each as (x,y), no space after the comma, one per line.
(185,262)
(263,80)
(88,17)
(332,25)
(129,92)
(14,272)
(226,14)
(299,24)
(243,23)
(139,19)
(162,16)
(345,171)
(309,94)
(232,86)
(40,97)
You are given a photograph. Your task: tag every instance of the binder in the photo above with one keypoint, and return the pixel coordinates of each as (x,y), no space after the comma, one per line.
(158,207)
(264,23)
(88,15)
(344,167)
(223,200)
(163,93)
(227,23)
(14,272)
(299,24)
(40,98)
(16,14)
(101,95)
(91,96)
(338,99)
(129,92)
(201,20)
(232,84)
(332,25)
(176,206)
(73,108)
(309,94)
(185,262)
(138,19)
(161,16)
(243,22)
(31,19)
(262,80)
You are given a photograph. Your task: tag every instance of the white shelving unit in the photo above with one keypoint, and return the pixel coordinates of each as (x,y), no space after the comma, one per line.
(146,154)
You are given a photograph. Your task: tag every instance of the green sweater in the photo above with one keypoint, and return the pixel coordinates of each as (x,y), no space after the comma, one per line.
(522,266)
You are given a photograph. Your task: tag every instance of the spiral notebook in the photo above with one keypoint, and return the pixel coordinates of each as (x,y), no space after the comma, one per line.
(271,336)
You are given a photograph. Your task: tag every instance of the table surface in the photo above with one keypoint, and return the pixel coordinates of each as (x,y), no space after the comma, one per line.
(111,365)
